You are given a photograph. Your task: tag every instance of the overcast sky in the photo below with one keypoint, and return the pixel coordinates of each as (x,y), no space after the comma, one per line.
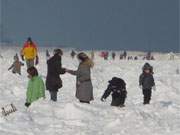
(94,24)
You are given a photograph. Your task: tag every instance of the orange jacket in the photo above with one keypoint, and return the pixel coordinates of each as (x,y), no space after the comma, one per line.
(29,51)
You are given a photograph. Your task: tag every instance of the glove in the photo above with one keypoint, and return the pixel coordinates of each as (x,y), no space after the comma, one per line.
(22,57)
(103,99)
(37,60)
(154,88)
(27,104)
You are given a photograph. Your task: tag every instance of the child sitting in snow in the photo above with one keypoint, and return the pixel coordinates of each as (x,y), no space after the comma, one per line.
(16,66)
(146,82)
(117,87)
(36,87)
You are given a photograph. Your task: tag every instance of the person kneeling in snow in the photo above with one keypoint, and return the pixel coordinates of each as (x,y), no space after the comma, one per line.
(146,82)
(117,87)
(36,87)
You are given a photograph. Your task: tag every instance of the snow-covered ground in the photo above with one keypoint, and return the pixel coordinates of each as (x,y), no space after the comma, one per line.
(69,117)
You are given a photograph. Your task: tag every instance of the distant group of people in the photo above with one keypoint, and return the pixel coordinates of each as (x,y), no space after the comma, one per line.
(124,56)
(84,88)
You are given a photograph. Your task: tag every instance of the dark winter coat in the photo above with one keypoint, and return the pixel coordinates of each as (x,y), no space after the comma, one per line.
(146,81)
(116,87)
(54,69)
(84,88)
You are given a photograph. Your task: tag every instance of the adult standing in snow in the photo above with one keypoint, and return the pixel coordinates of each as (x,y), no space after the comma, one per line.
(36,87)
(146,83)
(54,69)
(29,52)
(84,88)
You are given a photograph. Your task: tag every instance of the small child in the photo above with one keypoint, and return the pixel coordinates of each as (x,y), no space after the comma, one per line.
(117,87)
(146,82)
(16,66)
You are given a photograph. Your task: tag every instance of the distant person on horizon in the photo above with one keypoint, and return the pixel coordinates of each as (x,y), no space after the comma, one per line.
(54,70)
(106,55)
(92,55)
(124,54)
(29,52)
(47,54)
(113,55)
(1,56)
(73,54)
(84,88)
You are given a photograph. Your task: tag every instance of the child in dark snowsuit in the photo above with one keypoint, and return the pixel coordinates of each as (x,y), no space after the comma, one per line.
(146,82)
(16,66)
(117,87)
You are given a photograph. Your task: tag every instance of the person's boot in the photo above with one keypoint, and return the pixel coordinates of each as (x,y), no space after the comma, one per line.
(122,106)
(87,102)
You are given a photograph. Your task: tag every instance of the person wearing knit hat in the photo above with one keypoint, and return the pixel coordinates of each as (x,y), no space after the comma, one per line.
(84,87)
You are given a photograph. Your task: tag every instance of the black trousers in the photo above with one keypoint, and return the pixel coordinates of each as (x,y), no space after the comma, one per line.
(119,100)
(53,95)
(147,95)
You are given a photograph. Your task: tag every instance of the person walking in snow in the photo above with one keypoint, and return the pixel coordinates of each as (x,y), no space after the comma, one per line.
(16,66)
(146,82)
(29,52)
(54,70)
(84,88)
(106,55)
(116,87)
(73,54)
(36,87)
(113,55)
(124,54)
